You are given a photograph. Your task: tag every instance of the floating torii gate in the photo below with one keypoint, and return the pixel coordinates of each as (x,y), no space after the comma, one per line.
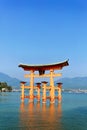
(41,69)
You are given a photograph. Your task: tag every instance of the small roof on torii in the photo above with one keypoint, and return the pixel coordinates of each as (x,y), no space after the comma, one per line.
(43,67)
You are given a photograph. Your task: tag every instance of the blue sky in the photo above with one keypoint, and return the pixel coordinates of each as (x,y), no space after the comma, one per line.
(43,32)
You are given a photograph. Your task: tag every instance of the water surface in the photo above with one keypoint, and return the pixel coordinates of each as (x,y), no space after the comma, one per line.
(71,114)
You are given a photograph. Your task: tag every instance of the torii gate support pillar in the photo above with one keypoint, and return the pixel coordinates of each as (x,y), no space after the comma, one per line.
(31,97)
(59,92)
(38,91)
(52,94)
(44,91)
(22,91)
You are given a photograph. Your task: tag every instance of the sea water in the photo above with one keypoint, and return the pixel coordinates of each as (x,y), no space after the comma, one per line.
(71,114)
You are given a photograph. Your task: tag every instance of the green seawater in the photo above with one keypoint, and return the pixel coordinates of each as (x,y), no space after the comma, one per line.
(71,114)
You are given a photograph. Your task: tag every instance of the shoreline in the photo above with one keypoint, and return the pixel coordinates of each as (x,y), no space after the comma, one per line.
(63,90)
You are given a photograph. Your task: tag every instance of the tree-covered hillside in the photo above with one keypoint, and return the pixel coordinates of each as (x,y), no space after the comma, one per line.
(4,87)
(14,82)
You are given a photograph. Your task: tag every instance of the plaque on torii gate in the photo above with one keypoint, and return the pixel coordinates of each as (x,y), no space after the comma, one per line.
(42,69)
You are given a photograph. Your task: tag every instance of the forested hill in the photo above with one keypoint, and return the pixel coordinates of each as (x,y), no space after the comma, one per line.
(68,83)
(14,82)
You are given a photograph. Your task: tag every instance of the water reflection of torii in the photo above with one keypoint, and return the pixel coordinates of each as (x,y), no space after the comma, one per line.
(40,116)
(37,116)
(41,69)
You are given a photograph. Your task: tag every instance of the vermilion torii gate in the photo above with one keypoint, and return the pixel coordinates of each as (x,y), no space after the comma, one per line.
(41,69)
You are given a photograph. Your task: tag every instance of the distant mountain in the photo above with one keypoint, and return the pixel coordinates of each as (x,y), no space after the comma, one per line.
(15,83)
(74,83)
(68,83)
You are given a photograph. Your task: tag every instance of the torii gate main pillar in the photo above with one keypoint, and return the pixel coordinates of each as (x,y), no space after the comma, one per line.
(52,95)
(22,91)
(31,86)
(38,91)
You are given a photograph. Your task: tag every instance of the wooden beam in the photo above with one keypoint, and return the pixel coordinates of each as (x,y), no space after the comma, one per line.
(26,87)
(35,87)
(44,75)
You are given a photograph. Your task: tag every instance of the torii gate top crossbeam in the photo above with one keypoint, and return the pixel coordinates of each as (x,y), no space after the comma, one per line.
(54,66)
